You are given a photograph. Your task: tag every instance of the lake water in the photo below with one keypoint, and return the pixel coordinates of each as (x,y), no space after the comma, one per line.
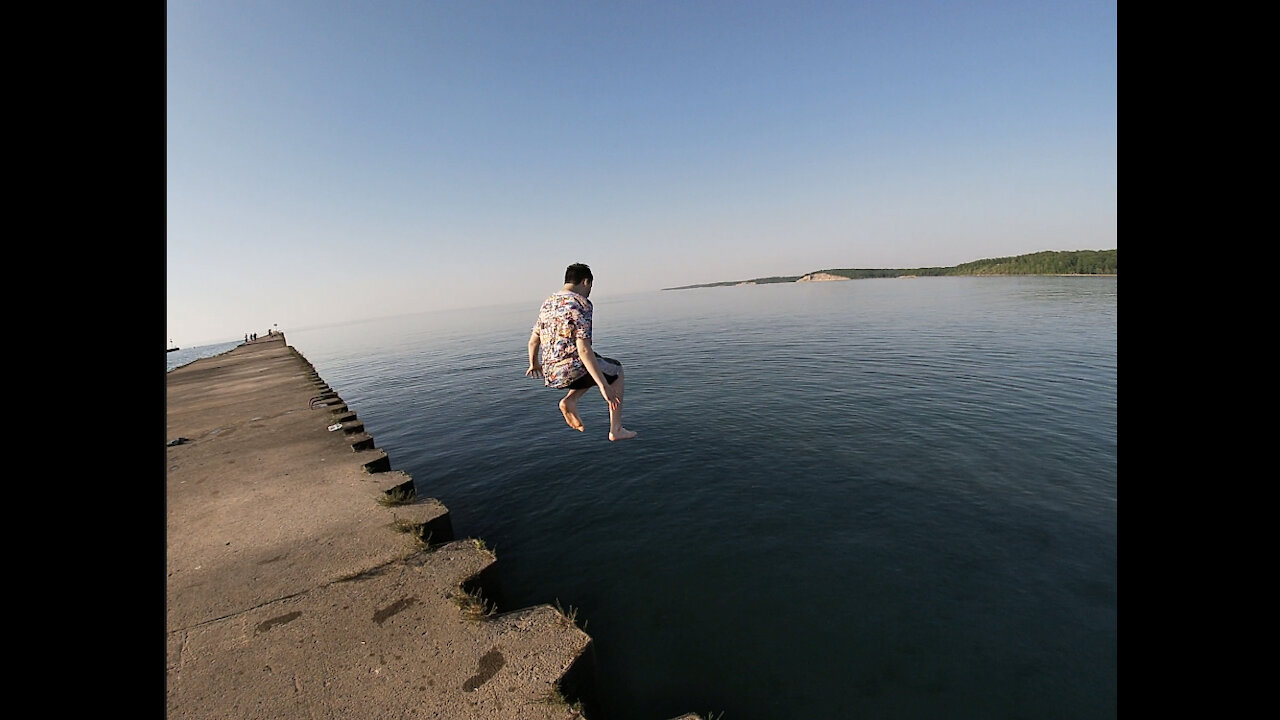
(183,356)
(876,498)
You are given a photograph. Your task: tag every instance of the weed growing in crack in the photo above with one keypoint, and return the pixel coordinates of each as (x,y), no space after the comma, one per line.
(570,616)
(417,530)
(555,697)
(474,605)
(399,495)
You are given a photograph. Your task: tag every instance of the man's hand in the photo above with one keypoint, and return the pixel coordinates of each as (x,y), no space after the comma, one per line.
(534,372)
(610,396)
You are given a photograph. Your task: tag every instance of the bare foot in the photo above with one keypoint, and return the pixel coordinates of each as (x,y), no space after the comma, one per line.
(622,434)
(570,412)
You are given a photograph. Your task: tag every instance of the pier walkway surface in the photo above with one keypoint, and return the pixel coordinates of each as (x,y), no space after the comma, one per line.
(307,579)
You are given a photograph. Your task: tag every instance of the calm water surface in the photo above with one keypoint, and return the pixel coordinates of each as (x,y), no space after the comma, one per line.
(873,498)
(183,356)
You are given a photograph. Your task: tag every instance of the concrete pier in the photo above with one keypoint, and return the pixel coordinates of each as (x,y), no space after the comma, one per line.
(307,580)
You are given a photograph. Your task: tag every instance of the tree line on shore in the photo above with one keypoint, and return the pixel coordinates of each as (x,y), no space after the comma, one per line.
(1049,262)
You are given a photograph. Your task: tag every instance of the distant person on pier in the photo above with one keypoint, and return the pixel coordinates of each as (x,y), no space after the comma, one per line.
(560,352)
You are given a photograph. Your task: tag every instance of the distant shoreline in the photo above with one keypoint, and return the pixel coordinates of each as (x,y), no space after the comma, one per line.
(1049,263)
(894,277)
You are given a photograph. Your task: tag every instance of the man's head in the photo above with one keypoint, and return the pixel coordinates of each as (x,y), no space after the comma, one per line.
(578,274)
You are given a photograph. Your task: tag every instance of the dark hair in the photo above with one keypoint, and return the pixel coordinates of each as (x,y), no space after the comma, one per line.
(577,273)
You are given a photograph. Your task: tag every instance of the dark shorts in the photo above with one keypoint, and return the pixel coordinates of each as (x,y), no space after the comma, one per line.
(608,366)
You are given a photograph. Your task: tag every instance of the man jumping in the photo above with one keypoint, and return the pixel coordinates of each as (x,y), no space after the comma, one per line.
(566,361)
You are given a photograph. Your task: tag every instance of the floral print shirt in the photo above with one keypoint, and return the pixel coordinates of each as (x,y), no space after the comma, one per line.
(563,318)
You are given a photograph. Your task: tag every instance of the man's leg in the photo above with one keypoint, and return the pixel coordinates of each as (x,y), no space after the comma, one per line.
(569,408)
(616,431)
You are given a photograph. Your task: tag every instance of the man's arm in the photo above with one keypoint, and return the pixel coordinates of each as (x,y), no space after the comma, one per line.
(535,367)
(589,362)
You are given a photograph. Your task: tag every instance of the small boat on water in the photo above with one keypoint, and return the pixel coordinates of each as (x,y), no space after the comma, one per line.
(172,349)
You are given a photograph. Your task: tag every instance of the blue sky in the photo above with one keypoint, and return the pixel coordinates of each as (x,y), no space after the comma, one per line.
(331,161)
